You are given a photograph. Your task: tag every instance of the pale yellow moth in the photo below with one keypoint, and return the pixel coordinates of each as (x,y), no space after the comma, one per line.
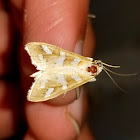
(59,71)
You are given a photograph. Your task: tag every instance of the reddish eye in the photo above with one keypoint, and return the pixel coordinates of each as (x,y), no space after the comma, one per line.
(93,69)
(89,69)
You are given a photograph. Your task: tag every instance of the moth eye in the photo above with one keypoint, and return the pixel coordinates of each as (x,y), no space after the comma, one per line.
(89,69)
(93,69)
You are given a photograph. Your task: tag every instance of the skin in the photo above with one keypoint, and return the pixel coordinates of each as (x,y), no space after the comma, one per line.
(63,23)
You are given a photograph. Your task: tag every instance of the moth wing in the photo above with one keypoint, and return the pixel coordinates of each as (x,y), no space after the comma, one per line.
(44,55)
(69,73)
(47,86)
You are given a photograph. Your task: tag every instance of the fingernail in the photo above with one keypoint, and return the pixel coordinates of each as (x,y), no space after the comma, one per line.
(79,47)
(79,50)
(76,111)
(74,122)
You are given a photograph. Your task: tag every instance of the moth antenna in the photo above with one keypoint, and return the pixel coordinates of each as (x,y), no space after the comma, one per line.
(119,73)
(108,65)
(113,80)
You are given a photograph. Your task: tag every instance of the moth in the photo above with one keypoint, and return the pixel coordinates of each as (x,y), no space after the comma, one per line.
(59,71)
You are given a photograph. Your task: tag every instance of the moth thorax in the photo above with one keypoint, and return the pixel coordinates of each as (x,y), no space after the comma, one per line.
(92,69)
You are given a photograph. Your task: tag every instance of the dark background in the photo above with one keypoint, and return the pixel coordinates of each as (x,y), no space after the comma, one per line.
(114,114)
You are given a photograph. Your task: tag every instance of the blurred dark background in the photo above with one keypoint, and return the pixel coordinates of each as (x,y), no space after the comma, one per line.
(114,114)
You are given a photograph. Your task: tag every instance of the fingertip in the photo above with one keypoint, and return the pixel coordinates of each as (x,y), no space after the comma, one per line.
(55,22)
(49,122)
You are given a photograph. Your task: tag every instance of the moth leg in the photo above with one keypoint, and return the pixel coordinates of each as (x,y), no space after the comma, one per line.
(73,121)
(64,94)
(78,92)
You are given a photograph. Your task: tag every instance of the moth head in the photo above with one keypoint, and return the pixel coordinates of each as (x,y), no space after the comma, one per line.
(99,66)
(96,67)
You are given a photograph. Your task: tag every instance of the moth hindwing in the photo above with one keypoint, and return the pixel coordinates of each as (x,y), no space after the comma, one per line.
(58,71)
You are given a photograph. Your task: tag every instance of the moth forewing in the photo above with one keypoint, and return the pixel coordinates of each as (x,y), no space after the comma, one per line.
(38,93)
(59,71)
